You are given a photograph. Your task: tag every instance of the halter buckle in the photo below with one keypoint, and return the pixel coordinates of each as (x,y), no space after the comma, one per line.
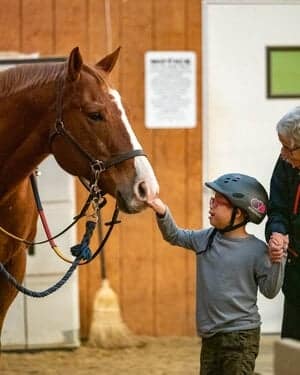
(59,126)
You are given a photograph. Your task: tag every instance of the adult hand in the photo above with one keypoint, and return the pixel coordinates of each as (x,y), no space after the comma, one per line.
(278,245)
(158,206)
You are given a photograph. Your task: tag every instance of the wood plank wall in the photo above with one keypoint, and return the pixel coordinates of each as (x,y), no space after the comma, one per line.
(154,281)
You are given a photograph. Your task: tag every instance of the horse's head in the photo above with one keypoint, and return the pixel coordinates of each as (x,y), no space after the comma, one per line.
(96,128)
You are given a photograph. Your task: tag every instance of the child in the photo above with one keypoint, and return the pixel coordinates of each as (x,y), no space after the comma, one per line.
(231,265)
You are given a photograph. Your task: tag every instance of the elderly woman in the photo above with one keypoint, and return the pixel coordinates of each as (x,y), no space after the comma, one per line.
(283,225)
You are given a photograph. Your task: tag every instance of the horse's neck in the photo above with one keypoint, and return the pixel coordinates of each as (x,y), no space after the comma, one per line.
(24,134)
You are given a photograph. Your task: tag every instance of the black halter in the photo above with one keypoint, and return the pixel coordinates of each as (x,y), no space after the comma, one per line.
(97,166)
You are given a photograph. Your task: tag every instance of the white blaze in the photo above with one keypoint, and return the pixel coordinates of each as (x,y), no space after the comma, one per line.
(143,168)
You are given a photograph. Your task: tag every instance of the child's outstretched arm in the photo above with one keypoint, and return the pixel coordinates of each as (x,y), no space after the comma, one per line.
(171,233)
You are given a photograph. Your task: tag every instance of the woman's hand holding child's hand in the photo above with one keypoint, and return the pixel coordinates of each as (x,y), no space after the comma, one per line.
(278,245)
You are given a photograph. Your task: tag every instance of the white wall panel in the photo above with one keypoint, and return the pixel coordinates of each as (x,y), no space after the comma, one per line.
(54,320)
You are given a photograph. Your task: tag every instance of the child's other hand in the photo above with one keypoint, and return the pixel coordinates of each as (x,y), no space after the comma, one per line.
(278,245)
(157,205)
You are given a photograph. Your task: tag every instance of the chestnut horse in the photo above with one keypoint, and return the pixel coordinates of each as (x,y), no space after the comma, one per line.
(69,110)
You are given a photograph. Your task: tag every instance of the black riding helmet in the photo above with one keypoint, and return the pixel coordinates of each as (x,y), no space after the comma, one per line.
(243,192)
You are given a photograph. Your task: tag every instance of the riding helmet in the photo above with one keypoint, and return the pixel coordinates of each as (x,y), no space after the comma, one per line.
(244,192)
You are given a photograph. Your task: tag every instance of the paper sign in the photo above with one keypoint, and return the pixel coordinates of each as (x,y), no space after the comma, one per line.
(170,89)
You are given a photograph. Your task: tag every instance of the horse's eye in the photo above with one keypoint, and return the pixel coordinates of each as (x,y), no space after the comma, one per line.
(95,116)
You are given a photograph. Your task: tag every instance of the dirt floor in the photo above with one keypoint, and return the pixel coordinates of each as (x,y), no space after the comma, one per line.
(163,356)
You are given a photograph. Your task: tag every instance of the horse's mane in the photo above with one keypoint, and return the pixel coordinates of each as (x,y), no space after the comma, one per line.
(27,76)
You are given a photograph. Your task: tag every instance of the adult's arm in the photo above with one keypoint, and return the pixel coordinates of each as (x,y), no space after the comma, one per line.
(278,210)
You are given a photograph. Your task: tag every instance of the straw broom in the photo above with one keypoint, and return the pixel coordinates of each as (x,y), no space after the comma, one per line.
(107,328)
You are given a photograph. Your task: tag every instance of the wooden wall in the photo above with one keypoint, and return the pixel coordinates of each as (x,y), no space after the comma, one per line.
(154,281)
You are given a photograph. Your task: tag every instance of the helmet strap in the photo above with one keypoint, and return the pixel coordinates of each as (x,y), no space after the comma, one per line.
(228,228)
(231,225)
(210,240)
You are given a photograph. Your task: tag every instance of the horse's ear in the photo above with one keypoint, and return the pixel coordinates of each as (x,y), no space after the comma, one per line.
(109,61)
(74,64)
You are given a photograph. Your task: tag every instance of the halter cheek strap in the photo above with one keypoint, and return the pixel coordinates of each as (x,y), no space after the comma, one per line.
(100,165)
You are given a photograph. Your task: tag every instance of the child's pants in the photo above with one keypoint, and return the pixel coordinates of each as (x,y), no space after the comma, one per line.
(230,353)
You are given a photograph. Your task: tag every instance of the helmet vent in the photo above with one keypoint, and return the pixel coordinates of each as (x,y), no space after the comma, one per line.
(230,179)
(238,195)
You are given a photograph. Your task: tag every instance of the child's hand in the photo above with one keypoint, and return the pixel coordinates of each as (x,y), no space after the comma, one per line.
(280,240)
(278,245)
(157,205)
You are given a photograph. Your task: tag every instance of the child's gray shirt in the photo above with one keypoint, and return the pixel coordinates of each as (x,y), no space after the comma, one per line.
(229,274)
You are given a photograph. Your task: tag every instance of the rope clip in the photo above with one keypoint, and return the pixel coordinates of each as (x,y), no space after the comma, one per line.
(98,166)
(59,126)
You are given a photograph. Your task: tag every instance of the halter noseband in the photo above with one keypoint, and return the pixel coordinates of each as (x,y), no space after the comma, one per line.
(97,166)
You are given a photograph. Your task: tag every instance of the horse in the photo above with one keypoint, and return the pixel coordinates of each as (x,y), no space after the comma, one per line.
(67,109)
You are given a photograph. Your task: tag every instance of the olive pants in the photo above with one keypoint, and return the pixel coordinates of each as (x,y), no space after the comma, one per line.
(231,353)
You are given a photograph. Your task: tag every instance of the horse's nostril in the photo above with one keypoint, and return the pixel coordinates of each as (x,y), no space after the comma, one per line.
(141,190)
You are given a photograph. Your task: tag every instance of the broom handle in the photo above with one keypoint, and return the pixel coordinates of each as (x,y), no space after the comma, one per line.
(102,256)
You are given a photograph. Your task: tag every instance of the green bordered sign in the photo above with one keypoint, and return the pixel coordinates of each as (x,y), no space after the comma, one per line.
(283,72)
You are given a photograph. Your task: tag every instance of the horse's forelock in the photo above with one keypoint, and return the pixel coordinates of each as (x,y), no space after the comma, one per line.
(96,73)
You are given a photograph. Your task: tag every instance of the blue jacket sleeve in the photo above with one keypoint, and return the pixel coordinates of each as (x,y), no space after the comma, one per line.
(278,210)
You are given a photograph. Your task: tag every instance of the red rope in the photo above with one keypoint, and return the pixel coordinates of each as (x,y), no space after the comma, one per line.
(46,228)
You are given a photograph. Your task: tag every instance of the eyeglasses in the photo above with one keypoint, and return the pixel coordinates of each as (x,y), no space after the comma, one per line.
(216,201)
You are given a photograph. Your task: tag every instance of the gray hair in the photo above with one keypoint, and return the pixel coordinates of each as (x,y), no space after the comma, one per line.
(289,126)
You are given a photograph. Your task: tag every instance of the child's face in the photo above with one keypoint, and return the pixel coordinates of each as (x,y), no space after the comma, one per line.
(289,153)
(220,210)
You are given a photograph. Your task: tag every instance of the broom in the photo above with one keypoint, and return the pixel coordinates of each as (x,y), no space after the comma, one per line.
(107,328)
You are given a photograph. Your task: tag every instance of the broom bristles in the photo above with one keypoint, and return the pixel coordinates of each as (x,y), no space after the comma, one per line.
(108,329)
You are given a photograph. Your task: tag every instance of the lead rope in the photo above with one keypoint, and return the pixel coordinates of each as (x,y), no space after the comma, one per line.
(97,200)
(46,292)
(40,209)
(82,252)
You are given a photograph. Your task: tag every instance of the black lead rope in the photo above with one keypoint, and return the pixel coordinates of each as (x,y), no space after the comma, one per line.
(111,225)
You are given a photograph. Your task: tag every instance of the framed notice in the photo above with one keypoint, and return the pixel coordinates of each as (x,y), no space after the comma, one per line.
(283,72)
(170,89)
